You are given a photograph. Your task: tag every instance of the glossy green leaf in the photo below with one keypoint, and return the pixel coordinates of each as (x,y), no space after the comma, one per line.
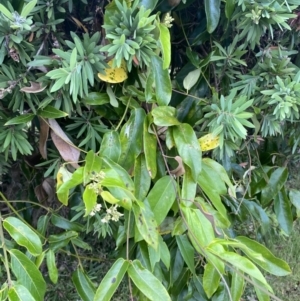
(63,223)
(283,211)
(61,240)
(161,197)
(142,180)
(28,274)
(28,8)
(164,116)
(150,147)
(111,146)
(163,87)
(146,223)
(154,257)
(83,285)
(18,292)
(42,224)
(92,166)
(243,264)
(22,119)
(51,112)
(96,99)
(147,283)
(295,199)
(211,279)
(51,265)
(229,8)
(111,280)
(212,10)
(187,251)
(90,199)
(189,188)
(191,79)
(6,12)
(261,294)
(188,148)
(237,286)
(131,138)
(164,253)
(165,42)
(276,181)
(23,235)
(267,261)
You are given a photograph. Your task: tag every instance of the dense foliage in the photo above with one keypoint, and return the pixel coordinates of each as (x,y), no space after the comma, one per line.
(166,127)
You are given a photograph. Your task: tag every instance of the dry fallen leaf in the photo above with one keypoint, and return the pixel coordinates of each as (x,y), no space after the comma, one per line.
(179,170)
(44,132)
(68,151)
(34,88)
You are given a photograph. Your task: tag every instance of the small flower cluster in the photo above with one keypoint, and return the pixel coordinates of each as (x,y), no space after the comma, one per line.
(96,184)
(96,209)
(168,20)
(112,214)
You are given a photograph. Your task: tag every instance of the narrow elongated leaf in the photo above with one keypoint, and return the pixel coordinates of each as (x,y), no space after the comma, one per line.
(187,251)
(211,280)
(283,211)
(131,138)
(165,42)
(111,146)
(96,99)
(63,223)
(28,8)
(188,148)
(83,285)
(19,292)
(189,187)
(61,240)
(51,265)
(276,181)
(28,274)
(6,12)
(142,180)
(161,198)
(90,199)
(261,295)
(23,235)
(20,119)
(237,286)
(111,280)
(295,199)
(212,10)
(163,87)
(51,112)
(147,283)
(92,166)
(150,146)
(164,253)
(146,223)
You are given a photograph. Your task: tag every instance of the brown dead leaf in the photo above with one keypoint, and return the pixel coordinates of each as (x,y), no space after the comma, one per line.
(68,151)
(49,187)
(179,170)
(44,133)
(79,24)
(34,88)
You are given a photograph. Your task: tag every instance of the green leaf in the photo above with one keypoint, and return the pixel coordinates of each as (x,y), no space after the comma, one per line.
(189,188)
(148,4)
(188,148)
(51,112)
(237,286)
(267,261)
(150,147)
(131,138)
(243,264)
(212,10)
(83,285)
(211,280)
(28,8)
(28,274)
(63,223)
(191,79)
(111,280)
(51,265)
(283,211)
(112,97)
(295,199)
(164,253)
(6,12)
(18,292)
(142,180)
(275,183)
(111,146)
(146,223)
(147,283)
(164,116)
(96,99)
(92,166)
(187,251)
(229,8)
(90,199)
(165,42)
(23,235)
(161,197)
(61,240)
(22,119)
(162,81)
(73,60)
